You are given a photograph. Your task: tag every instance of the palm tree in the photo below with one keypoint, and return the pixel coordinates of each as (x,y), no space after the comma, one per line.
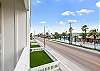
(95,34)
(84,34)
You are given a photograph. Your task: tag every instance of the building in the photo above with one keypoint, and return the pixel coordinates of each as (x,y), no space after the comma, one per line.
(14,31)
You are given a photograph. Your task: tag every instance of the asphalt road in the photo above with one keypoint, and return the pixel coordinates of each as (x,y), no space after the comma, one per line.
(87,61)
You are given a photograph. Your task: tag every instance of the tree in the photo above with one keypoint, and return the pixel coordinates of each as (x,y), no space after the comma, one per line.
(84,34)
(60,36)
(47,34)
(31,36)
(75,38)
(95,34)
(64,34)
(56,35)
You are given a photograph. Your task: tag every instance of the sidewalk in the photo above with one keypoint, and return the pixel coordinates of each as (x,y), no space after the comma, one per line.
(88,50)
(65,64)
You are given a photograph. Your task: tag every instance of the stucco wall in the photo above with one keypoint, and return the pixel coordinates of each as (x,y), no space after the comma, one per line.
(20,27)
(0,38)
(14,31)
(8,22)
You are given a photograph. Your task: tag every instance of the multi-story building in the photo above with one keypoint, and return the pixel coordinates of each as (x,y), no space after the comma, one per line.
(14,31)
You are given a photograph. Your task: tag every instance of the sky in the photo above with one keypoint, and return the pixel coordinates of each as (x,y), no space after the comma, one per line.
(55,15)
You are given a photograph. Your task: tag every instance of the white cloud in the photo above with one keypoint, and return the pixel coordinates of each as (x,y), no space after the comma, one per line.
(77,31)
(38,1)
(73,21)
(68,13)
(81,0)
(61,23)
(43,22)
(57,28)
(98,4)
(85,11)
(99,27)
(80,12)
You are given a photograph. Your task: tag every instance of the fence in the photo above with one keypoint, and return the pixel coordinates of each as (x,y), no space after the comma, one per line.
(47,67)
(37,49)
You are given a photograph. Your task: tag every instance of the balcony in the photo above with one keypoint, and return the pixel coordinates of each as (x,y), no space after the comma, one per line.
(37,59)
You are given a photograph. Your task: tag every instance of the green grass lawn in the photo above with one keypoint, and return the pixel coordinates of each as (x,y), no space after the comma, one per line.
(33,42)
(34,45)
(38,58)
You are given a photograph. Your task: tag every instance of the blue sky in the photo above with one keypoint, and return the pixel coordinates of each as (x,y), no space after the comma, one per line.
(56,14)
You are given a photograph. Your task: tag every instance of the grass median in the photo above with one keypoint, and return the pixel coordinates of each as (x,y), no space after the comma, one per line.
(34,45)
(38,58)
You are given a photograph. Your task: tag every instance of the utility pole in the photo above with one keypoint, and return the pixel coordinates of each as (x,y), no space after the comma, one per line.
(34,34)
(44,36)
(70,30)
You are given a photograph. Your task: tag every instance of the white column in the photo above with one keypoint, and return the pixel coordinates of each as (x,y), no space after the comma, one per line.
(20,27)
(0,38)
(8,38)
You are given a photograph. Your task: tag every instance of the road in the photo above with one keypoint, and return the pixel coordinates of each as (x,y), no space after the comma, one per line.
(87,61)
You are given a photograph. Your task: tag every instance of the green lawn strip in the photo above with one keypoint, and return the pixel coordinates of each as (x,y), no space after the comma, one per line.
(38,58)
(33,42)
(34,46)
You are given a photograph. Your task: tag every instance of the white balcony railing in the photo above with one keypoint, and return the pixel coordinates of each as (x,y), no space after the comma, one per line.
(53,66)
(47,67)
(23,63)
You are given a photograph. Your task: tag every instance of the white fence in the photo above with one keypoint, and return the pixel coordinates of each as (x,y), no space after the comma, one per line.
(42,48)
(23,63)
(50,55)
(47,67)
(37,49)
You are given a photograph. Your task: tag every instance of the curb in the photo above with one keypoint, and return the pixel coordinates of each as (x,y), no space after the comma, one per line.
(77,47)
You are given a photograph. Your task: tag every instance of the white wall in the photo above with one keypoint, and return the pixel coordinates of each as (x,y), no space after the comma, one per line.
(20,27)
(8,22)
(0,37)
(14,31)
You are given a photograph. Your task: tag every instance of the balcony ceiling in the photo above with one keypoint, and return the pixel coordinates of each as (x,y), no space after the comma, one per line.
(26,2)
